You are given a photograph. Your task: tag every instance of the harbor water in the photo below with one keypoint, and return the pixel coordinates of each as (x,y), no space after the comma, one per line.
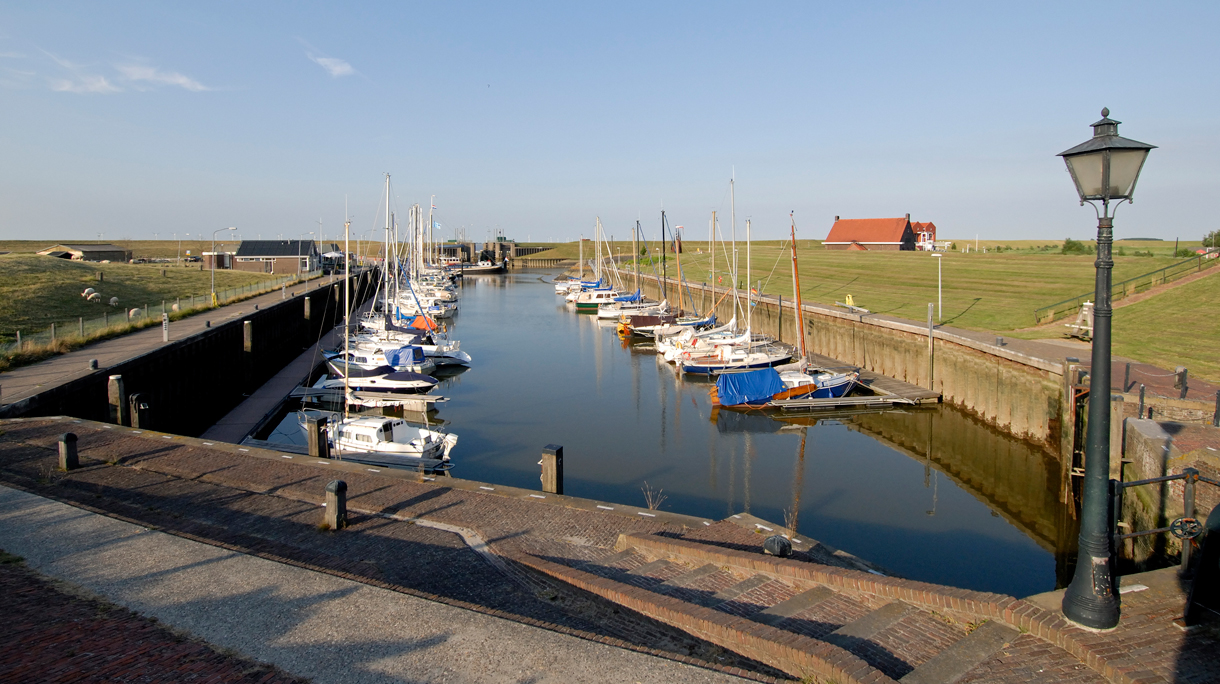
(927,493)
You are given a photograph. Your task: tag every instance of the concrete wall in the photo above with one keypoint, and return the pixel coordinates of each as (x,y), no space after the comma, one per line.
(1020,395)
(190,384)
(1155,449)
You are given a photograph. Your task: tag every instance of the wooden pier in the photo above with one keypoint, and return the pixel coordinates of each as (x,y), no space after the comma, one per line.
(886,391)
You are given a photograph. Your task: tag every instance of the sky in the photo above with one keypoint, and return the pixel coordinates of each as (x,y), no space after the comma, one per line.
(132,120)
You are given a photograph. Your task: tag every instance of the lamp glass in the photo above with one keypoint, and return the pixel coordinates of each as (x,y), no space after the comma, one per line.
(1086,172)
(1124,169)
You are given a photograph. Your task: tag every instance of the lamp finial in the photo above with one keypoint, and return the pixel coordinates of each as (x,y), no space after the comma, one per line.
(1105,111)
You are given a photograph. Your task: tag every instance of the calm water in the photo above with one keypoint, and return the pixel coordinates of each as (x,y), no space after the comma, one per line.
(930,494)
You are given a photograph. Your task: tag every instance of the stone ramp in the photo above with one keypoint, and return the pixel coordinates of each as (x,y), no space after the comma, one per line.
(812,621)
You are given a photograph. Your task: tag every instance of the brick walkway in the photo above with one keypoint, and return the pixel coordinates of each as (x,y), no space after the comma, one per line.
(50,635)
(264,504)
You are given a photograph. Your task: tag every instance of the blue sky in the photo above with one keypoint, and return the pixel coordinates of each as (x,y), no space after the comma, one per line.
(129,119)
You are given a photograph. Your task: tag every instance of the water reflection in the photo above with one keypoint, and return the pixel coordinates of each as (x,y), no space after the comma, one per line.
(931,493)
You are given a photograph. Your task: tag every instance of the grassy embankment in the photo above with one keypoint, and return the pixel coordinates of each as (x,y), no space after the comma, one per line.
(994,291)
(36,291)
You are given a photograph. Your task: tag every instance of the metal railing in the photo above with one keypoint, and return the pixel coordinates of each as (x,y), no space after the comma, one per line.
(1185,528)
(83,328)
(1128,287)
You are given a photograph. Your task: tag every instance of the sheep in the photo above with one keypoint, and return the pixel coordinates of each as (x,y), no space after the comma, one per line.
(134,312)
(88,291)
(94,297)
(114,301)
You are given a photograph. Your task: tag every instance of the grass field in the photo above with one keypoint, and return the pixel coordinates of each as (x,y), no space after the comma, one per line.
(36,291)
(168,249)
(993,291)
(1179,327)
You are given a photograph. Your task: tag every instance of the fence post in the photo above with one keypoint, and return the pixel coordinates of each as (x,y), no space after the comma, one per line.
(1188,511)
(1140,413)
(1127,378)
(52,332)
(105,319)
(1216,413)
(18,340)
(82,326)
(1179,382)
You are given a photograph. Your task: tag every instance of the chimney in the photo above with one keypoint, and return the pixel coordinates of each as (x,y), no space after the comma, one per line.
(836,219)
(908,217)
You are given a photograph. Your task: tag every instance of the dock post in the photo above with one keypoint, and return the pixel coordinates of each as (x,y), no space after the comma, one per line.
(247,336)
(316,434)
(931,352)
(336,504)
(307,307)
(117,398)
(68,459)
(1179,382)
(552,469)
(138,410)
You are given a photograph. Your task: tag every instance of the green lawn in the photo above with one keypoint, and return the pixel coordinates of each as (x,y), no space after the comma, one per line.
(1180,327)
(993,291)
(36,291)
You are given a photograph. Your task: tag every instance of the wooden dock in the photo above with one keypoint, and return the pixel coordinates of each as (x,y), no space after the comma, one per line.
(411,402)
(885,388)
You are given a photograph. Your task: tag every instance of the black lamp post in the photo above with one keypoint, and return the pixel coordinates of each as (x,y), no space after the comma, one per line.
(1104,169)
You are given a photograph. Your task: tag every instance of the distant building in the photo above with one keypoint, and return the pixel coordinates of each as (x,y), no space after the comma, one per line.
(925,236)
(217,260)
(88,252)
(891,234)
(276,256)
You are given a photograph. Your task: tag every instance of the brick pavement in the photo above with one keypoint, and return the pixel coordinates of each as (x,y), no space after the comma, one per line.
(53,635)
(261,504)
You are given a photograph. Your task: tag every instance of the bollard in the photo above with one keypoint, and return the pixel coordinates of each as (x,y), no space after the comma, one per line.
(777,545)
(247,336)
(207,324)
(336,504)
(999,341)
(1127,378)
(165,327)
(307,308)
(319,447)
(1140,413)
(1179,382)
(283,292)
(138,410)
(68,459)
(117,397)
(92,364)
(552,469)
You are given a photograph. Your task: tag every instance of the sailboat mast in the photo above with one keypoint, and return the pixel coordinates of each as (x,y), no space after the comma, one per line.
(711,246)
(432,256)
(635,253)
(678,264)
(749,290)
(733,235)
(347,303)
(581,242)
(385,269)
(796,297)
(664,272)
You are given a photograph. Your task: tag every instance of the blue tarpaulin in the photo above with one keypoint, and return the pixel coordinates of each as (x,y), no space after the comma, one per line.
(404,355)
(629,298)
(744,388)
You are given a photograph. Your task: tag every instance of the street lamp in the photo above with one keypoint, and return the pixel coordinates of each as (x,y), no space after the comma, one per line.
(214,260)
(1104,168)
(939,300)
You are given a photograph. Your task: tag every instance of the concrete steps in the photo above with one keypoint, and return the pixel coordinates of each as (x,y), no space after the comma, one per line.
(837,630)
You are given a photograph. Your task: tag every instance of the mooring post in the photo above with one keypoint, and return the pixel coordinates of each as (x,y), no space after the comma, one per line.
(92,364)
(931,358)
(117,397)
(307,307)
(68,459)
(1188,511)
(1179,382)
(139,412)
(319,447)
(336,504)
(552,469)
(247,336)
(1127,378)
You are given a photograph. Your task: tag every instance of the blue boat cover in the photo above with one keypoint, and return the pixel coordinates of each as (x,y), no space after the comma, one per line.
(629,298)
(753,386)
(404,355)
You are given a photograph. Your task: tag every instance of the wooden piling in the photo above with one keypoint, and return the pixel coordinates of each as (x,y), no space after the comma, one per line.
(68,458)
(552,469)
(319,447)
(336,504)
(117,398)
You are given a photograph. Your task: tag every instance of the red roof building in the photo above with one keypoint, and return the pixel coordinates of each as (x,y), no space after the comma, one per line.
(871,234)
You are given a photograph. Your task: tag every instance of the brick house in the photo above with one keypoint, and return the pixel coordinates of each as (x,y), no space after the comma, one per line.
(277,256)
(894,234)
